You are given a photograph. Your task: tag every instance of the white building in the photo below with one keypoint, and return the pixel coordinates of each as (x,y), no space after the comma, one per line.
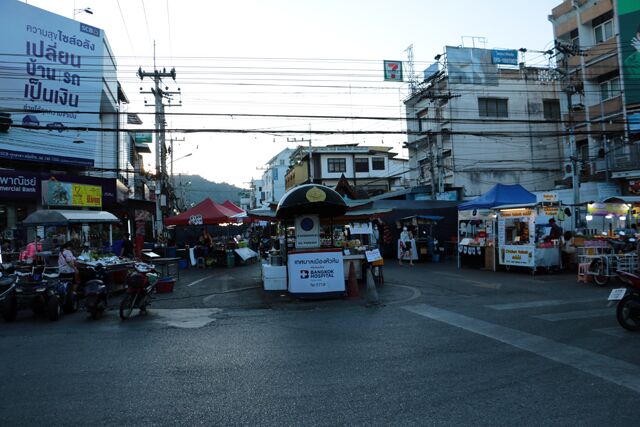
(473,124)
(368,169)
(273,178)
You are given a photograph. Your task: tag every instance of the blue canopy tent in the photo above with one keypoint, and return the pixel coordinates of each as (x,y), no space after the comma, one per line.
(500,194)
(474,216)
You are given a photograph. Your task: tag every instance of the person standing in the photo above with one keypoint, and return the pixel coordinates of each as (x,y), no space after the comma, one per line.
(67,261)
(127,247)
(405,246)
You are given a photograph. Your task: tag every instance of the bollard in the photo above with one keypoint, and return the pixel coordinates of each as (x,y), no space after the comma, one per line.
(372,292)
(352,282)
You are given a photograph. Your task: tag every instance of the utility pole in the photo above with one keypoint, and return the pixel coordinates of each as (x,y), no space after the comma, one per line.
(160,95)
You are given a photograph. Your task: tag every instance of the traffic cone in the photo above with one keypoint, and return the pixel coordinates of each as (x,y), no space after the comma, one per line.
(352,282)
(372,292)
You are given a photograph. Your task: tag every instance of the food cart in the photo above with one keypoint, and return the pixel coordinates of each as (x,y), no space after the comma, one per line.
(476,238)
(424,242)
(521,237)
(90,223)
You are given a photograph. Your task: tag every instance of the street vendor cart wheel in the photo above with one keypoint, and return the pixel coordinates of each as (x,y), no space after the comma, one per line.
(126,306)
(597,269)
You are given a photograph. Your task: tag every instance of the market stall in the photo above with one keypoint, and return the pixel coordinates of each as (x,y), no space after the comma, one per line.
(524,237)
(477,224)
(613,215)
(424,242)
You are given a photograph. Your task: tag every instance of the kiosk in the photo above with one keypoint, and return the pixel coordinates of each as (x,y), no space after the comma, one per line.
(521,237)
(311,270)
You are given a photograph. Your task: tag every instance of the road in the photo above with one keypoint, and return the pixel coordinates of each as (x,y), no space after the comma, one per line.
(444,347)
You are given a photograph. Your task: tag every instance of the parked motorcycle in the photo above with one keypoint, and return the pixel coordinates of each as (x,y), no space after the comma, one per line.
(628,298)
(141,284)
(42,291)
(95,293)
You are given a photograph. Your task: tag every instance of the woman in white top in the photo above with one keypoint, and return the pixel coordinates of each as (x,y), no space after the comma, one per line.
(405,246)
(66,260)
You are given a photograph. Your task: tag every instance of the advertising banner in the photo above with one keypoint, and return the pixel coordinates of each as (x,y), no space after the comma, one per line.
(471,66)
(67,194)
(55,78)
(629,25)
(316,272)
(504,57)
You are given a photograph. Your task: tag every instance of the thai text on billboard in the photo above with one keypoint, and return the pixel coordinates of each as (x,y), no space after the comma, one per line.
(56,78)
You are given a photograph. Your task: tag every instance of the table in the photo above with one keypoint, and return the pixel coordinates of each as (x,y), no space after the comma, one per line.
(167,267)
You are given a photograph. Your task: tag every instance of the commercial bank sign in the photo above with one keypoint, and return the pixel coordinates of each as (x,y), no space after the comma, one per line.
(55,82)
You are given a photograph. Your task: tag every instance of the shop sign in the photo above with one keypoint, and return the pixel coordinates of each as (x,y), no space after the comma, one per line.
(143,137)
(316,272)
(603,209)
(18,185)
(360,228)
(57,193)
(517,255)
(307,231)
(195,220)
(549,197)
(515,213)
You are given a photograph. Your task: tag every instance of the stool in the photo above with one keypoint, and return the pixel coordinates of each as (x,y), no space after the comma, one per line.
(583,272)
(200,262)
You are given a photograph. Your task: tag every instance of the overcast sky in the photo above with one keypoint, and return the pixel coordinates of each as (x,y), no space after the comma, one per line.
(291,57)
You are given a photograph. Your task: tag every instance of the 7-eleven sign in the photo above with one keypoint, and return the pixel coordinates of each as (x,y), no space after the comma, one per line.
(393,71)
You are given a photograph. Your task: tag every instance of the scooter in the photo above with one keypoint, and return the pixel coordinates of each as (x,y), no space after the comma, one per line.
(95,293)
(628,300)
(141,284)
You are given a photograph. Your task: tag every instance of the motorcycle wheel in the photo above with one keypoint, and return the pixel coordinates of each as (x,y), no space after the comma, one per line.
(126,306)
(597,268)
(628,317)
(54,308)
(9,309)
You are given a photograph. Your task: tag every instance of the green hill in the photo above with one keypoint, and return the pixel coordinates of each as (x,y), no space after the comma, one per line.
(195,188)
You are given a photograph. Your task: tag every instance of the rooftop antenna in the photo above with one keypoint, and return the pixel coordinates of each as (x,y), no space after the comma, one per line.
(413,84)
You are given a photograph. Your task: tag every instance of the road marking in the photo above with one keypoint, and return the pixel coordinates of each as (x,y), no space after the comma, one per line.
(415,293)
(542,303)
(604,367)
(200,280)
(187,318)
(581,314)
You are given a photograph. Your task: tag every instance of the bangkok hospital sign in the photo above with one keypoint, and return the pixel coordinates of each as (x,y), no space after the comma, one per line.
(54,82)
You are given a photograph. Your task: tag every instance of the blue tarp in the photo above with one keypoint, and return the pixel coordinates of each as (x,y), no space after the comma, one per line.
(500,194)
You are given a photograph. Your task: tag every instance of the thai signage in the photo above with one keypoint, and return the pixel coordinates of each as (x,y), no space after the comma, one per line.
(143,137)
(67,194)
(628,20)
(504,57)
(316,272)
(56,82)
(307,231)
(16,185)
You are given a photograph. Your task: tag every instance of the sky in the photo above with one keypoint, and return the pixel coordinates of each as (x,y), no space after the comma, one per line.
(271,65)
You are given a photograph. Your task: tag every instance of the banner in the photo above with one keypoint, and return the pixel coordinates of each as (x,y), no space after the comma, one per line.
(629,25)
(504,57)
(55,78)
(67,194)
(316,272)
(471,66)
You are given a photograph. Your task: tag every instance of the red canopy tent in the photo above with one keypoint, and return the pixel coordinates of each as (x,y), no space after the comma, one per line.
(231,206)
(205,212)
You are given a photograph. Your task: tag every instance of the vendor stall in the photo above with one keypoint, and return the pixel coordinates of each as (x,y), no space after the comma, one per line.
(613,216)
(424,241)
(477,224)
(524,237)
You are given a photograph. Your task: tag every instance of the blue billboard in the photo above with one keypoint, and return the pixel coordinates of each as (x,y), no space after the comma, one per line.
(504,57)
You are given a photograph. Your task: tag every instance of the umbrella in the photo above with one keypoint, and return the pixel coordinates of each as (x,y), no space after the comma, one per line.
(311,199)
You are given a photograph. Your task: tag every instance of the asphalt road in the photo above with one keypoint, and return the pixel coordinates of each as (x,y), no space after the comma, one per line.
(445,347)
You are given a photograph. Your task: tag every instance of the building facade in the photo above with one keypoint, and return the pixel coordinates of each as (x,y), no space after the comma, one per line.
(599,68)
(370,170)
(273,178)
(476,121)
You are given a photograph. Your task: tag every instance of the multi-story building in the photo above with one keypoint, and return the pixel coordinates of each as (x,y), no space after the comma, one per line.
(483,119)
(256,194)
(65,105)
(368,169)
(599,64)
(273,178)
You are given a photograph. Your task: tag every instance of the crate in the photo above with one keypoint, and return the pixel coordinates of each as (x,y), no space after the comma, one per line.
(165,285)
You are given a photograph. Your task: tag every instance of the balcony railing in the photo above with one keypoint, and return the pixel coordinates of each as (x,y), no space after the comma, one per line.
(624,157)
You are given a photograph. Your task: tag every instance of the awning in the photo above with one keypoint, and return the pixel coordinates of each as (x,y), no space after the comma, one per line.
(623,199)
(64,217)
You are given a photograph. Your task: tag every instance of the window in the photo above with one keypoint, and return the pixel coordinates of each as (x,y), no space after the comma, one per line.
(377,163)
(575,38)
(493,107)
(603,27)
(336,165)
(610,88)
(362,165)
(275,174)
(551,109)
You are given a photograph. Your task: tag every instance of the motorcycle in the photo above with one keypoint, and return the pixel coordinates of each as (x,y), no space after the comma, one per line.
(41,290)
(141,284)
(628,300)
(95,293)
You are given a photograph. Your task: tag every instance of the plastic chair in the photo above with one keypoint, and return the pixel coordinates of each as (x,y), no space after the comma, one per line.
(583,272)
